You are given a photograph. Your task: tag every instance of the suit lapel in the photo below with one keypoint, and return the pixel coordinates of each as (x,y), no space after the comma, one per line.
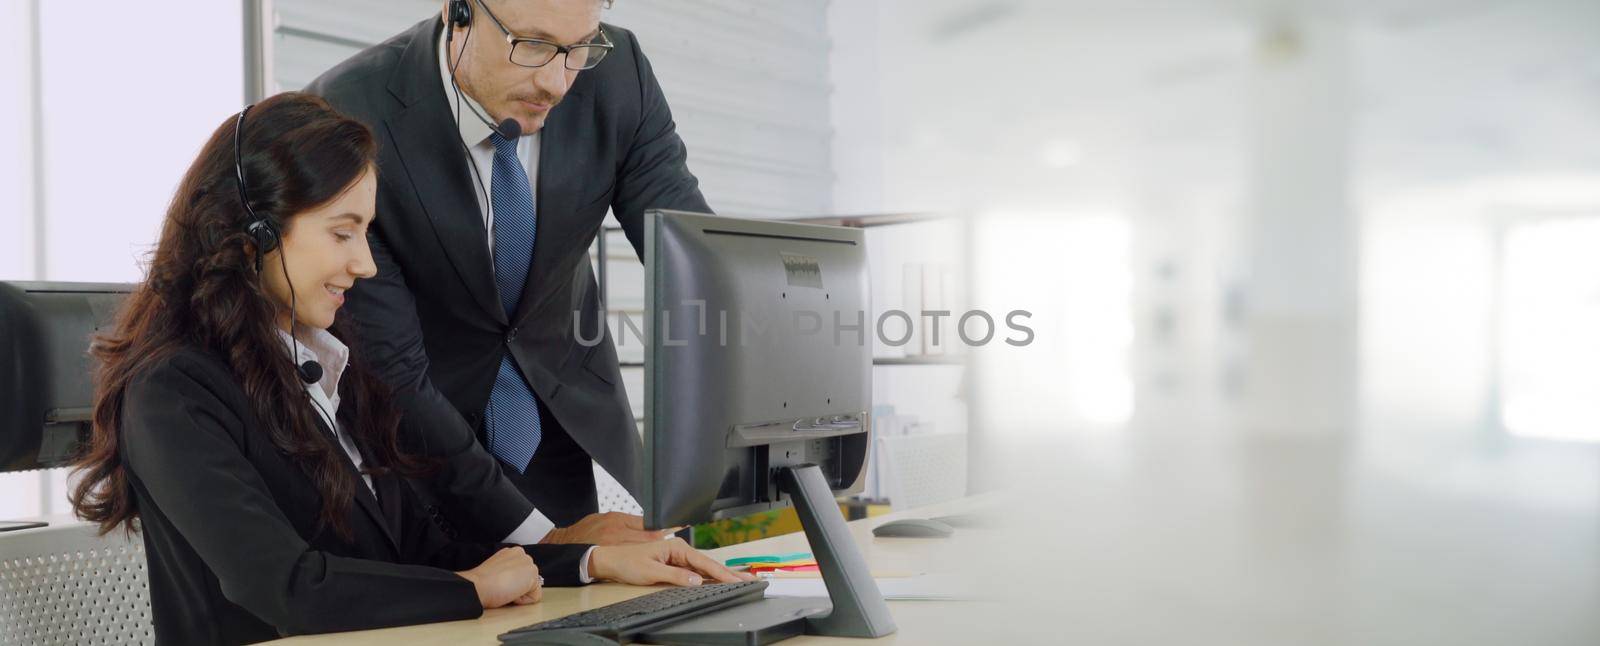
(429,147)
(389,498)
(562,162)
(363,496)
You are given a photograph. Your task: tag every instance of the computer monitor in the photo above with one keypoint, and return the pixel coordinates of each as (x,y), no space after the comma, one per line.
(46,390)
(746,370)
(758,383)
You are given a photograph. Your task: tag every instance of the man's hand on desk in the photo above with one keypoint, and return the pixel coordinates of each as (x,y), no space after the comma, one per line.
(669,561)
(610,528)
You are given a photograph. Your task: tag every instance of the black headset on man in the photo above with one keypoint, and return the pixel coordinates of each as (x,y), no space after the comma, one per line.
(460,13)
(460,17)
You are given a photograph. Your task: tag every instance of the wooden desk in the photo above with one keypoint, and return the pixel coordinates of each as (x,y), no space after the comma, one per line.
(919,622)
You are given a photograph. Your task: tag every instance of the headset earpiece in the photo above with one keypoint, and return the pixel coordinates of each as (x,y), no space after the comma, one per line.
(260,229)
(460,13)
(265,234)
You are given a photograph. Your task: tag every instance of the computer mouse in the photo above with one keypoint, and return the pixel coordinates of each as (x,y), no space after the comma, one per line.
(557,638)
(913,528)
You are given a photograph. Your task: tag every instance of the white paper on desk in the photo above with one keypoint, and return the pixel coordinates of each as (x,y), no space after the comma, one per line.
(923,587)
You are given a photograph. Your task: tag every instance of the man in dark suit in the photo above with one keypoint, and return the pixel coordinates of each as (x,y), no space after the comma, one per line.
(484,282)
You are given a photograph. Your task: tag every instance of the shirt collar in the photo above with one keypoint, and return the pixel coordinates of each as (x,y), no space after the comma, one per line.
(317,344)
(473,130)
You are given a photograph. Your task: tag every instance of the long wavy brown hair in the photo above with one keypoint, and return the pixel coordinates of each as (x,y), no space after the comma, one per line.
(202,290)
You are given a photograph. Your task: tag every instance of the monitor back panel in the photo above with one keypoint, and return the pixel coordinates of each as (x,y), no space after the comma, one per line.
(759,356)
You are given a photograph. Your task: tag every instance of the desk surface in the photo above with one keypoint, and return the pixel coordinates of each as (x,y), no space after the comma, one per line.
(919,622)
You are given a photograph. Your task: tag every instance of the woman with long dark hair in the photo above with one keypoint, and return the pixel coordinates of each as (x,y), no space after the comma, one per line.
(259,460)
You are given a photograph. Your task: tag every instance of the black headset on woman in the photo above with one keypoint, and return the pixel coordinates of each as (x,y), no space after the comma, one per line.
(265,234)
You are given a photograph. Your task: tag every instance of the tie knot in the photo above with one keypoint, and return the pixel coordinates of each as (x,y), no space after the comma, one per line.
(502,145)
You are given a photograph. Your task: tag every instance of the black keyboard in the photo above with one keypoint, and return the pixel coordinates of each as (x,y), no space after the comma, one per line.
(625,617)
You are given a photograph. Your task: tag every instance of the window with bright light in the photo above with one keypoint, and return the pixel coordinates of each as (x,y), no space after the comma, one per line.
(1550,330)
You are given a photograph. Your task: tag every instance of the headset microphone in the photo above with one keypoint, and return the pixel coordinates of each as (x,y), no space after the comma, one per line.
(310,372)
(510,129)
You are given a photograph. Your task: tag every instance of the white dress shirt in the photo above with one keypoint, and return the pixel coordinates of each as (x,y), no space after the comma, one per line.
(318,345)
(475,134)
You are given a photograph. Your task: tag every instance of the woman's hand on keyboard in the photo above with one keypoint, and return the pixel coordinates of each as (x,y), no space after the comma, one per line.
(669,561)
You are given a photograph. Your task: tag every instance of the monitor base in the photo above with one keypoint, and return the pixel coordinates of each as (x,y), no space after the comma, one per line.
(749,624)
(855,607)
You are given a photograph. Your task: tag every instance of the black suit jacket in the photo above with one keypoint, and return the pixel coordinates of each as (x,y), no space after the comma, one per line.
(231,534)
(431,323)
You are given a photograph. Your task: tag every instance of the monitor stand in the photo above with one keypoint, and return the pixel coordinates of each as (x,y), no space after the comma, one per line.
(857,608)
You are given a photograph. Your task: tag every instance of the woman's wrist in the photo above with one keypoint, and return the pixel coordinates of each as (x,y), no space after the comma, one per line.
(477,590)
(597,564)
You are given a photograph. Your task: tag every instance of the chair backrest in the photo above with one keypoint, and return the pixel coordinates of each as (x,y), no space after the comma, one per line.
(923,469)
(613,496)
(62,584)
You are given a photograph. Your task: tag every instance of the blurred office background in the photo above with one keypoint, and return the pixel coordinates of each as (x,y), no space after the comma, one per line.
(1333,263)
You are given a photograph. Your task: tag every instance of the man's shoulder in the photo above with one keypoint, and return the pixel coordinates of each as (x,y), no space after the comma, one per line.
(620,75)
(622,38)
(624,45)
(355,85)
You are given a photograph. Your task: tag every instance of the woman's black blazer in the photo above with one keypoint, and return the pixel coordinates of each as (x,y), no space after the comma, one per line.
(231,531)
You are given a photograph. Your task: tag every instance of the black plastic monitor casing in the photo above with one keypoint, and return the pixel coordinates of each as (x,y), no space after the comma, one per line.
(746,371)
(758,383)
(46,387)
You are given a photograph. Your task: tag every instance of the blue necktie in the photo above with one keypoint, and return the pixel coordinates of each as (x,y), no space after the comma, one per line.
(511,420)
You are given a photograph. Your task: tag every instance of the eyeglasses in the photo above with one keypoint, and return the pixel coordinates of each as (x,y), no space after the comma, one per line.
(532,52)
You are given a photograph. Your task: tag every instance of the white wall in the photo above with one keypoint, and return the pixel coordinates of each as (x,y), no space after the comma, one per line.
(16,141)
(21,490)
(123,122)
